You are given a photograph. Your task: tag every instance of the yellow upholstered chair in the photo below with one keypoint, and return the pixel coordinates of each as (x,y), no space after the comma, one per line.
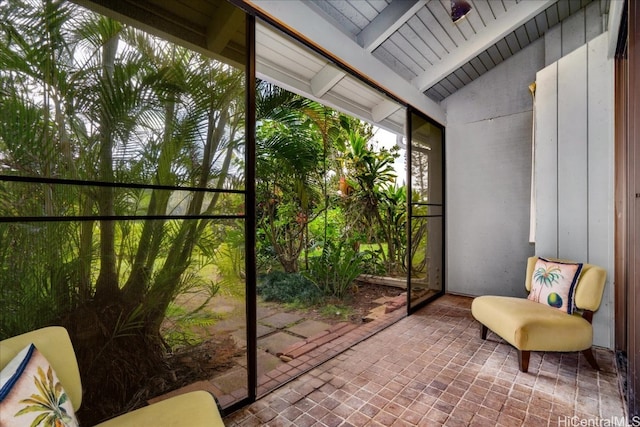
(192,409)
(531,326)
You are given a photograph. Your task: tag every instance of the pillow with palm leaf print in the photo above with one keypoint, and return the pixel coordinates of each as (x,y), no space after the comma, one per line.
(554,283)
(31,394)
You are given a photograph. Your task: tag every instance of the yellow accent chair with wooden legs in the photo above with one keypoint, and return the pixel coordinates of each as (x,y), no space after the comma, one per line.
(538,322)
(52,347)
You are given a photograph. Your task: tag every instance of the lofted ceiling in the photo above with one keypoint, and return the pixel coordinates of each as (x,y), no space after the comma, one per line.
(412,47)
(408,48)
(418,40)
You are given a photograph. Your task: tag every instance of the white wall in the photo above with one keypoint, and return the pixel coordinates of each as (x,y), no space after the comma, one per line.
(488,178)
(574,166)
(488,158)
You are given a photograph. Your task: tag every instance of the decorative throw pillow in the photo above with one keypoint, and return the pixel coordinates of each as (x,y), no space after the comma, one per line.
(31,394)
(554,283)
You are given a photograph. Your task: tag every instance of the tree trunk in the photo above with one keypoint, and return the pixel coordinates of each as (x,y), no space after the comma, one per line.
(84,252)
(151,236)
(162,291)
(107,283)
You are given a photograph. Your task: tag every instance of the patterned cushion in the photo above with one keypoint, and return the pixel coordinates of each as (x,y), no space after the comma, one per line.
(31,394)
(554,283)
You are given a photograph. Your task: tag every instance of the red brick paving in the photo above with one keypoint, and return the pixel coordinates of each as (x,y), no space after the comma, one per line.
(432,369)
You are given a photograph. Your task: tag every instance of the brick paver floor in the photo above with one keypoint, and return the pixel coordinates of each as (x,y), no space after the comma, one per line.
(432,369)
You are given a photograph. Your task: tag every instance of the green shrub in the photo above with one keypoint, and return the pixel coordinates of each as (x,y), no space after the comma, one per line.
(372,262)
(230,255)
(288,288)
(181,326)
(329,226)
(335,269)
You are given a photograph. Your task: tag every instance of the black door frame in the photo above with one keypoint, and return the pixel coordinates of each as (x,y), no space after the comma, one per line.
(408,132)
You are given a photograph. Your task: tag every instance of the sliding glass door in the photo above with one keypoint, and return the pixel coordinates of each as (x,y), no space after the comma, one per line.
(127,199)
(425,158)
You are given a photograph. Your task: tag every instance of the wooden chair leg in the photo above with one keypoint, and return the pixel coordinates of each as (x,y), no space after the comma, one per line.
(483,331)
(523,360)
(588,354)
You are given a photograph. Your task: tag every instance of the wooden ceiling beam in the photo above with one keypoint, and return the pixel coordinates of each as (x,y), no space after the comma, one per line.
(516,16)
(388,22)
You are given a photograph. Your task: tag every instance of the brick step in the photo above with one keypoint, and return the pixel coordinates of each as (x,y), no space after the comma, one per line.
(315,341)
(395,303)
(388,305)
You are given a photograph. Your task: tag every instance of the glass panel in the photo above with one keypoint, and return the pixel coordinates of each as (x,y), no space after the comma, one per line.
(426,162)
(331,213)
(427,211)
(122,197)
(426,263)
(55,200)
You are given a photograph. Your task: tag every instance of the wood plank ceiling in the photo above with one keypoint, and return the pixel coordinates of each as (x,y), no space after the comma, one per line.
(424,36)
(408,47)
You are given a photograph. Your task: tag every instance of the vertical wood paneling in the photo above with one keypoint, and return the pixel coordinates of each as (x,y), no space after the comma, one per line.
(593,21)
(578,91)
(600,167)
(600,134)
(546,161)
(572,155)
(553,45)
(573,32)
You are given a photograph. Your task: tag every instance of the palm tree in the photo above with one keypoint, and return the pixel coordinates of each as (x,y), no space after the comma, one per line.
(372,174)
(289,174)
(34,142)
(85,98)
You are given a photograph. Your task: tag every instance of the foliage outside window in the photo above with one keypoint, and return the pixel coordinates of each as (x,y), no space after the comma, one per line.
(121,162)
(122,180)
(329,202)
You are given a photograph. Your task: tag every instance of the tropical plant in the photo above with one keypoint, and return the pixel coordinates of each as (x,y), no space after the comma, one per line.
(330,226)
(289,176)
(419,235)
(374,203)
(230,256)
(87,102)
(180,324)
(372,262)
(290,288)
(335,269)
(393,213)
